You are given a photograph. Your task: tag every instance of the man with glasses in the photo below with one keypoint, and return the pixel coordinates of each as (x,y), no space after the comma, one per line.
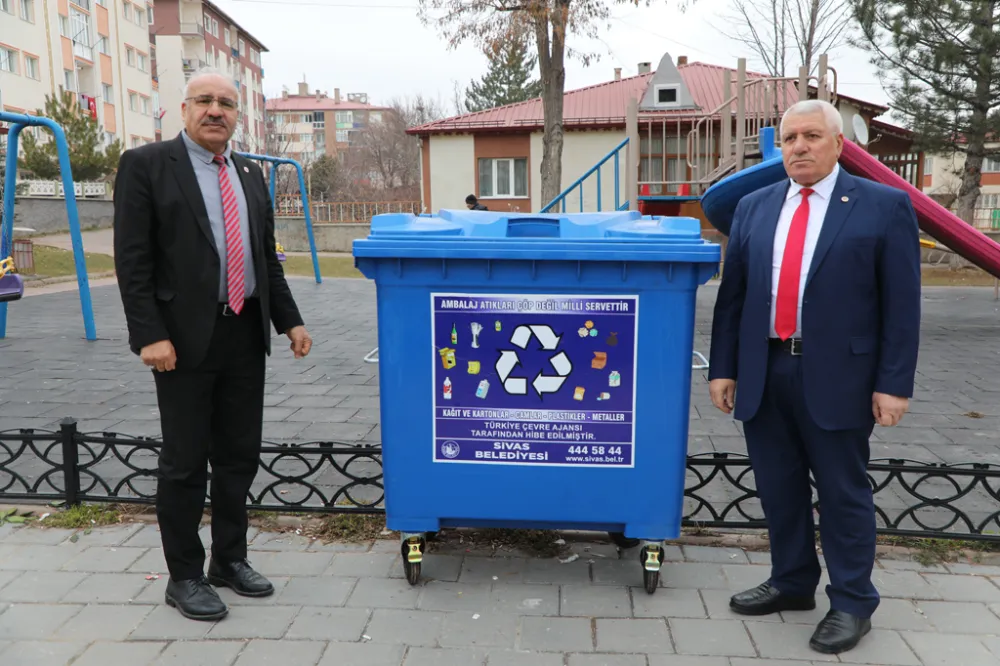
(200,283)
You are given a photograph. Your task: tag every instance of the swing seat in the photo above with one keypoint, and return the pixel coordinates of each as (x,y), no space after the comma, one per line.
(11,287)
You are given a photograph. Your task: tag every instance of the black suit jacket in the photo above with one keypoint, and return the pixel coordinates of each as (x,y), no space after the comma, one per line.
(166,258)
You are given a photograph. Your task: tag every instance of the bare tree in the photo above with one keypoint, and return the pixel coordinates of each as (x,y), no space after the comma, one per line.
(387,156)
(549,23)
(775,30)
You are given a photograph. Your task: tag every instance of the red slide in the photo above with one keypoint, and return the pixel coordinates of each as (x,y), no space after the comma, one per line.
(934,218)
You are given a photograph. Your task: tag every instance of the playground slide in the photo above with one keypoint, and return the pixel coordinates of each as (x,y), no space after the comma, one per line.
(719,203)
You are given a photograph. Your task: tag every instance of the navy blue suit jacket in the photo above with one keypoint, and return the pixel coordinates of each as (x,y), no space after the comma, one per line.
(860,309)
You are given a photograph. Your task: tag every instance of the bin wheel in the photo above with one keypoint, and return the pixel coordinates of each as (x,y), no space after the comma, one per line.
(413,554)
(651,557)
(412,572)
(651,580)
(622,541)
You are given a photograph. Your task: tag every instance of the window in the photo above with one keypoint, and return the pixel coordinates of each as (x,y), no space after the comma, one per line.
(5,6)
(503,177)
(127,11)
(225,36)
(8,60)
(342,136)
(133,101)
(130,56)
(375,117)
(64,26)
(991,165)
(668,95)
(69,80)
(31,67)
(109,138)
(28,10)
(149,14)
(136,142)
(82,3)
(104,46)
(243,47)
(140,61)
(108,93)
(145,106)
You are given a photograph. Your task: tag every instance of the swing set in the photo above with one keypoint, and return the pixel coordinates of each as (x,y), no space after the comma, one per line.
(12,284)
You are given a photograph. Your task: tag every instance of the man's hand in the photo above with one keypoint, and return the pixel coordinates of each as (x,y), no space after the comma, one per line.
(723,392)
(888,409)
(301,342)
(159,355)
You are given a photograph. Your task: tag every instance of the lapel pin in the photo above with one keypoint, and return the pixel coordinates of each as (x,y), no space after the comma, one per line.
(247,170)
(844,199)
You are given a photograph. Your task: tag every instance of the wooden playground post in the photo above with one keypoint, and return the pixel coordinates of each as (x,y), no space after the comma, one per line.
(741,111)
(632,152)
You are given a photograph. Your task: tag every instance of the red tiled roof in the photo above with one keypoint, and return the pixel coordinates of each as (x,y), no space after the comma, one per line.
(606,104)
(310,103)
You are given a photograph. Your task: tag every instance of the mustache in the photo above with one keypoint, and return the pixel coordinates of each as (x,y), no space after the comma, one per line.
(213,121)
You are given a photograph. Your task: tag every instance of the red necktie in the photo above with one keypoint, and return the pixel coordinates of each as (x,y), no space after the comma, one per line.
(787,304)
(234,242)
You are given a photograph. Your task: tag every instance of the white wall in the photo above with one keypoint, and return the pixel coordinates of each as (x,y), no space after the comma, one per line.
(130,78)
(581,151)
(170,69)
(453,174)
(17,90)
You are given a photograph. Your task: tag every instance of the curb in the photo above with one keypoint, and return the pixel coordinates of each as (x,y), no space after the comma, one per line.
(44,282)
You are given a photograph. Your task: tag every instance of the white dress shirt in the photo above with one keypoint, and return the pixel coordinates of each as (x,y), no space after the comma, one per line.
(819,201)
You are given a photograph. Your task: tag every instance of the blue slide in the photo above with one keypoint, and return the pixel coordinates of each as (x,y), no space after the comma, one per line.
(719,201)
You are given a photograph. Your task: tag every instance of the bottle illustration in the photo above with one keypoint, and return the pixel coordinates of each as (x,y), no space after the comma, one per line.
(454,335)
(447,388)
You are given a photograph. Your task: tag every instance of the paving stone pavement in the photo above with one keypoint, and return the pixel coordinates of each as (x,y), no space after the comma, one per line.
(90,602)
(52,372)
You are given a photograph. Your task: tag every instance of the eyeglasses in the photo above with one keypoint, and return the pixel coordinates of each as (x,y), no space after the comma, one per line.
(205,101)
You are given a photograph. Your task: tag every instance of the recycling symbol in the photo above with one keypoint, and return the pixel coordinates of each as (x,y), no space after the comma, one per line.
(542,383)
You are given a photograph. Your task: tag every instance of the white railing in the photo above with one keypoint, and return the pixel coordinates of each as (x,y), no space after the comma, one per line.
(54,188)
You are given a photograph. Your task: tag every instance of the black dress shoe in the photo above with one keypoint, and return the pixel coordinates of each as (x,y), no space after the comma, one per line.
(766,599)
(240,577)
(839,632)
(195,599)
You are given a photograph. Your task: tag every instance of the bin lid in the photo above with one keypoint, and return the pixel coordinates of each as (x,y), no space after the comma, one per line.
(614,236)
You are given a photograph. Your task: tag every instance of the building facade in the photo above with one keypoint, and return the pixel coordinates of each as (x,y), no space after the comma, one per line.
(97,49)
(195,34)
(308,125)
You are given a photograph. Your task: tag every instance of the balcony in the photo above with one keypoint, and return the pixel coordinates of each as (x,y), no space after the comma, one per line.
(196,30)
(81,50)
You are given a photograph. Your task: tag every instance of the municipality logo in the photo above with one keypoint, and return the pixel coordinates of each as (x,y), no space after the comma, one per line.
(450,450)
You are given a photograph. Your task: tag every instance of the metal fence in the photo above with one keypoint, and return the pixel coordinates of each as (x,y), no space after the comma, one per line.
(341,211)
(952,501)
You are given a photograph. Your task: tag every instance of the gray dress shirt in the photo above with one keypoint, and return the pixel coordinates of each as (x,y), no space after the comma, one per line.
(207,173)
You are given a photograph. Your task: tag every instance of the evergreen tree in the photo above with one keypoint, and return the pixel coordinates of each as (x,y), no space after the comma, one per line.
(508,79)
(942,59)
(89,159)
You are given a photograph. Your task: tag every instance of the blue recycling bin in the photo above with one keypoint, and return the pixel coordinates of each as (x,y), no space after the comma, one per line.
(535,371)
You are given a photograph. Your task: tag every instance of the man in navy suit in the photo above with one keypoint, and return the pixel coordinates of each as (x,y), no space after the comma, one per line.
(817,319)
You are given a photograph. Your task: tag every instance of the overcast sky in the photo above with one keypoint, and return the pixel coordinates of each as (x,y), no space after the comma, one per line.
(380,47)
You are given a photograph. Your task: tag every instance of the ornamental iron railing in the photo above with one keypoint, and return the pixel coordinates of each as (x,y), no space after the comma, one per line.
(912,498)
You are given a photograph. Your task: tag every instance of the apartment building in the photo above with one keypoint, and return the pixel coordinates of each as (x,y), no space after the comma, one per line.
(193,34)
(306,126)
(942,181)
(98,49)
